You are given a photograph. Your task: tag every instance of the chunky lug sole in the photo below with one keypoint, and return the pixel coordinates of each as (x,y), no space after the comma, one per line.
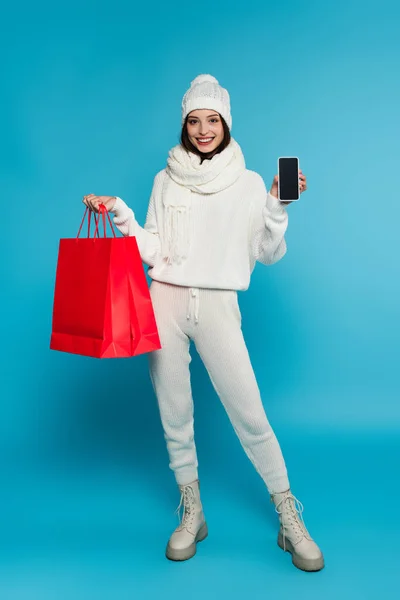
(185,553)
(305,564)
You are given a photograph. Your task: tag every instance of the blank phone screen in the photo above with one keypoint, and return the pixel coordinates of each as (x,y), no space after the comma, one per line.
(288,178)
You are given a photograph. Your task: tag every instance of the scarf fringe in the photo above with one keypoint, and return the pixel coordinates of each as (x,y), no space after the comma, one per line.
(176,234)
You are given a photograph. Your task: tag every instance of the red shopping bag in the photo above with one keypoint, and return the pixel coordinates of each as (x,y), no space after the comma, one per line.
(102,305)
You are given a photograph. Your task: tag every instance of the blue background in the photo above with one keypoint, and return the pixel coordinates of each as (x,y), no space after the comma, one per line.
(90,100)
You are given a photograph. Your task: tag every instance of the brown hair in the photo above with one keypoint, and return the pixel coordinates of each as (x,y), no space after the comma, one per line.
(187,144)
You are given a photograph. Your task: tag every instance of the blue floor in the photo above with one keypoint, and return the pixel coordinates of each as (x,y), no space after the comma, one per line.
(71,533)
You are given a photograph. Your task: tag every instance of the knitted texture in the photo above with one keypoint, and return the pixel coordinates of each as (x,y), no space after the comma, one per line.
(229,231)
(211,318)
(205,92)
(186,174)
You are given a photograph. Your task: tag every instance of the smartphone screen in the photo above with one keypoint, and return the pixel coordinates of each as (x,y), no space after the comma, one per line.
(288,171)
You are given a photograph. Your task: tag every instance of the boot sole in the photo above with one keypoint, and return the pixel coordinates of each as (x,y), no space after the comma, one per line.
(186,553)
(305,564)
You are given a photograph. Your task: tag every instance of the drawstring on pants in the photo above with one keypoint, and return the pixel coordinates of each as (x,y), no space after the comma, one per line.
(194,304)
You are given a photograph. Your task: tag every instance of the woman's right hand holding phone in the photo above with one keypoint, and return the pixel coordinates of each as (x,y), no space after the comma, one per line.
(92,202)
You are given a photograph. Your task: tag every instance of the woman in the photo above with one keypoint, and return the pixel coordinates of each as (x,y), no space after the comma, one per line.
(209,220)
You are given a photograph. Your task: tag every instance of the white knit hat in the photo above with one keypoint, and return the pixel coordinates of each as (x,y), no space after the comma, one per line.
(205,92)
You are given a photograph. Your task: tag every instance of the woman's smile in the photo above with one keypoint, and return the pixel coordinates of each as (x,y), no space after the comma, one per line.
(205,141)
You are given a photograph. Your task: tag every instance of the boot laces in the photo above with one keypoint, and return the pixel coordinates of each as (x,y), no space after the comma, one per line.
(188,503)
(290,509)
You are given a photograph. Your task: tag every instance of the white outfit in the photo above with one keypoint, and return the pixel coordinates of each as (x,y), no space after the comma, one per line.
(214,325)
(207,225)
(220,235)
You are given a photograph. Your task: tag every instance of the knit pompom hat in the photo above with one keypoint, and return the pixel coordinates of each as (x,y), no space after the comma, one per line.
(205,92)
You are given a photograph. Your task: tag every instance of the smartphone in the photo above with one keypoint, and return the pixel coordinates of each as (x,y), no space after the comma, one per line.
(288,178)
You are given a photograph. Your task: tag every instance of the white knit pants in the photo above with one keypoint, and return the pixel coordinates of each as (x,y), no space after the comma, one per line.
(211,318)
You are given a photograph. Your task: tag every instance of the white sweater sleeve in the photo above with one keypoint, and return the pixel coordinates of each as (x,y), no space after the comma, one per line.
(270,221)
(147,238)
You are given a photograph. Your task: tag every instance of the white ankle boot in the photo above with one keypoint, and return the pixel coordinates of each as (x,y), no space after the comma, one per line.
(193,527)
(293,536)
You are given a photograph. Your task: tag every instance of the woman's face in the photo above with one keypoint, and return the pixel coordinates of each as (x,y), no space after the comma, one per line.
(205,129)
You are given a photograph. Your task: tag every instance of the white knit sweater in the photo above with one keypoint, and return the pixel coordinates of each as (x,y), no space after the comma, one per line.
(229,231)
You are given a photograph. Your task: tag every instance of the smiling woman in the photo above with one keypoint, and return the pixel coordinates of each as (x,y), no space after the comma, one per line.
(205,133)
(208,223)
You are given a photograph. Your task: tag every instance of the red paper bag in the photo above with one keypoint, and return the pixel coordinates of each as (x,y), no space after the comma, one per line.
(102,305)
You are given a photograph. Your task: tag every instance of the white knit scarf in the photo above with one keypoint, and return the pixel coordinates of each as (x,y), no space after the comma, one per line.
(185,175)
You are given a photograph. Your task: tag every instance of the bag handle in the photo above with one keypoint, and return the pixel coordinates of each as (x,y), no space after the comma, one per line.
(102,212)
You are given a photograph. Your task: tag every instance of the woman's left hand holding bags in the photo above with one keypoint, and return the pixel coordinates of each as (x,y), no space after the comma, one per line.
(93,202)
